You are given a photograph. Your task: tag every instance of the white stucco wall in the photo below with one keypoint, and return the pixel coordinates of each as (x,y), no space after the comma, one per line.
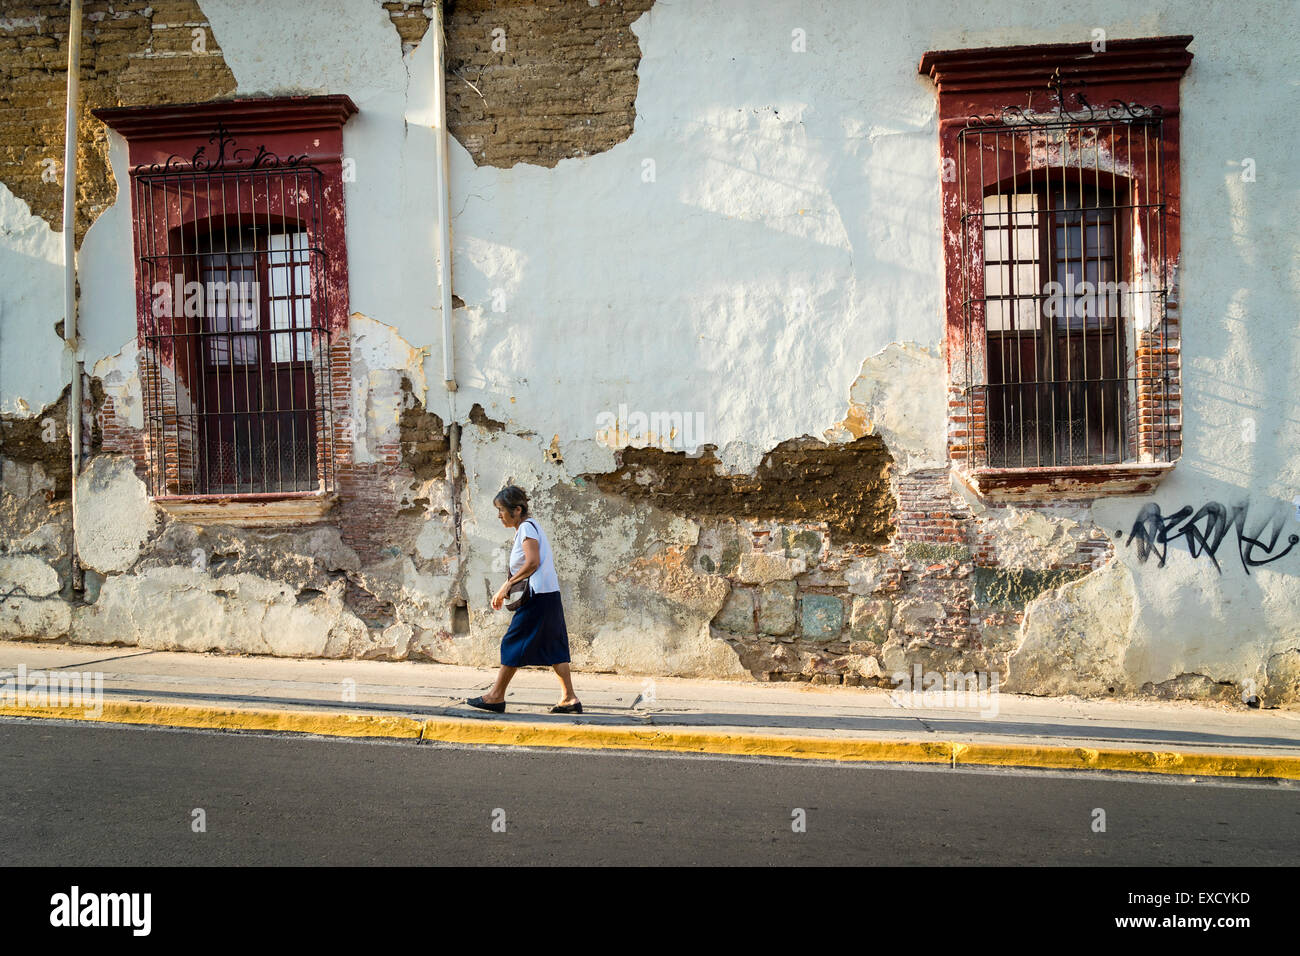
(790,234)
(31,304)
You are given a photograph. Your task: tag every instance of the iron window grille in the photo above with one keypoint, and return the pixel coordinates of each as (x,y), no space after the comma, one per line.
(1064,286)
(236,362)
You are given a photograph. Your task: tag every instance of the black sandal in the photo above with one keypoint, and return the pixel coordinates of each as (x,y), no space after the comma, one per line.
(481,704)
(567,708)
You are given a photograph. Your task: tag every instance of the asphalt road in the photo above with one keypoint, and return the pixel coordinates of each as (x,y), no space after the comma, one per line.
(93,795)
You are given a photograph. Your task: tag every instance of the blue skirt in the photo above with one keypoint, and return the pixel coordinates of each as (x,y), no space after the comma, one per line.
(537,636)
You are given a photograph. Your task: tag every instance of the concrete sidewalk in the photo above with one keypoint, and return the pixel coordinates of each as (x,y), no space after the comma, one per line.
(425,702)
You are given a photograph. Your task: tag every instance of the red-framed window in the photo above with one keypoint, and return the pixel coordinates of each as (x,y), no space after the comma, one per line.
(241,286)
(1057,305)
(1060,205)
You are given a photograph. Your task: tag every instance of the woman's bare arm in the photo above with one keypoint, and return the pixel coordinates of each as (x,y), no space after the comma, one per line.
(532,561)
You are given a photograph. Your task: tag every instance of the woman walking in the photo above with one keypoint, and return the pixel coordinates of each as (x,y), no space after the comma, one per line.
(536,635)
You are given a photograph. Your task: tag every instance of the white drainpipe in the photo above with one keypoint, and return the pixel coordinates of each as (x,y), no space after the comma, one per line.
(70,262)
(442,179)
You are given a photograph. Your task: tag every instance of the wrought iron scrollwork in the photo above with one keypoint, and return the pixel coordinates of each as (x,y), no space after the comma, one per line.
(1084,112)
(227,157)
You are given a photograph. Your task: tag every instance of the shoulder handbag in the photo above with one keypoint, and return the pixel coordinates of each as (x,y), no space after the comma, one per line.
(523,588)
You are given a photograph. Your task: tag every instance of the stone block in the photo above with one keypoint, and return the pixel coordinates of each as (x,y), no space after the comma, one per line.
(764,568)
(776,609)
(915,614)
(737,615)
(924,552)
(869,620)
(801,540)
(822,617)
(1014,588)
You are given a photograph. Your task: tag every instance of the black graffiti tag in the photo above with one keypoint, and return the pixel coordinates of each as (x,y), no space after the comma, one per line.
(1204,531)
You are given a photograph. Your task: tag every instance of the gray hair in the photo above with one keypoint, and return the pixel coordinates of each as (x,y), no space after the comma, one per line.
(512,497)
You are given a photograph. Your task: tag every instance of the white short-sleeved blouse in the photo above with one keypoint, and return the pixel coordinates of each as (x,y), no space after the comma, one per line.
(544,579)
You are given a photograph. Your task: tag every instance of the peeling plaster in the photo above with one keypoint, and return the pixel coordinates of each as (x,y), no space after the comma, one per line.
(381,358)
(184,609)
(1282,678)
(29,574)
(120,375)
(419,599)
(666,608)
(31,302)
(40,439)
(897,395)
(844,484)
(305,558)
(566,85)
(625,569)
(436,538)
(740,458)
(1025,538)
(115,516)
(34,520)
(832,252)
(1077,639)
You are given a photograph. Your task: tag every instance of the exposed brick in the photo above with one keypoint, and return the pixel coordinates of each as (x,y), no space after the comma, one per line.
(117,68)
(564,85)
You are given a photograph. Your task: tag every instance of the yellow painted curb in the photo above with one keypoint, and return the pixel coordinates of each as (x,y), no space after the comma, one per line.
(1136,761)
(216,718)
(472,731)
(740,744)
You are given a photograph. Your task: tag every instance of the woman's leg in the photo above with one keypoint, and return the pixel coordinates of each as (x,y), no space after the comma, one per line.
(562,672)
(498,692)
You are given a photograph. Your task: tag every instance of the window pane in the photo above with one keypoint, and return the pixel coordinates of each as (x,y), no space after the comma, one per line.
(229,305)
(280,313)
(282,347)
(996,281)
(1012,273)
(245,349)
(1026,277)
(244,296)
(279,279)
(219,349)
(996,246)
(1026,314)
(998,315)
(1026,244)
(277,245)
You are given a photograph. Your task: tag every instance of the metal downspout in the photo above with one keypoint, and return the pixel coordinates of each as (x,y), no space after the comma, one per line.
(70,337)
(442,176)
